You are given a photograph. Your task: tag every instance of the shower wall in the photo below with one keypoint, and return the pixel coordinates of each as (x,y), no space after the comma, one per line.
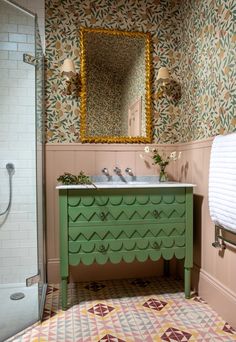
(18,233)
(37,7)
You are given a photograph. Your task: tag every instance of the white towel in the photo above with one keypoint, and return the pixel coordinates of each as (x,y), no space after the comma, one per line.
(222,181)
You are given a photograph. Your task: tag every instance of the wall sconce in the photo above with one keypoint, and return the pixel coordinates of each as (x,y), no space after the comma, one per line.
(163,79)
(73,81)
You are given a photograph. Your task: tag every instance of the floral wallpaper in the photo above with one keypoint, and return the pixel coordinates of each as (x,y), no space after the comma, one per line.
(208,69)
(195,39)
(63,19)
(103,103)
(115,74)
(133,88)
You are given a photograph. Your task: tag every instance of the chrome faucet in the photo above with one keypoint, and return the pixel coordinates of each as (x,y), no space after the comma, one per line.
(129,171)
(117,170)
(105,171)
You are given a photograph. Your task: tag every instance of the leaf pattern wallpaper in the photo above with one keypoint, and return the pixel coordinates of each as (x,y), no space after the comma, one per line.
(195,39)
(208,68)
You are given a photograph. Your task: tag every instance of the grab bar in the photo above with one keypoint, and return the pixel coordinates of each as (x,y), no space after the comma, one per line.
(220,239)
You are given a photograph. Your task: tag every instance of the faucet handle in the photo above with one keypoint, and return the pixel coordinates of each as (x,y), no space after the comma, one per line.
(105,171)
(129,171)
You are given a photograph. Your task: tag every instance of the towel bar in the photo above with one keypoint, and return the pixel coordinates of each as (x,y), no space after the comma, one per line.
(221,244)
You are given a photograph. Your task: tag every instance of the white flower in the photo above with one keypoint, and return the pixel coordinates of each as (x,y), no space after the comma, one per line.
(146,149)
(173,155)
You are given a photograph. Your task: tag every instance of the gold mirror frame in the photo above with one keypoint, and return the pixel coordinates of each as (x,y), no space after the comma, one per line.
(115,139)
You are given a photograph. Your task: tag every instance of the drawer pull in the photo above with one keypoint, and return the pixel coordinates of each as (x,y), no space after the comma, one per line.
(103,216)
(155,213)
(155,245)
(102,249)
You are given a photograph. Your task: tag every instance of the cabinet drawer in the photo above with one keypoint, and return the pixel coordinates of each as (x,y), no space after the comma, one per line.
(88,252)
(101,206)
(108,232)
(100,246)
(126,197)
(122,214)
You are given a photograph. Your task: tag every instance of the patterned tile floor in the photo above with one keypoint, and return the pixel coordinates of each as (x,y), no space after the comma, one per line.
(140,310)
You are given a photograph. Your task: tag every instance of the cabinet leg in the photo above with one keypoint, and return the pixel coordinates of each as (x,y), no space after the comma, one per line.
(187,282)
(166,268)
(64,293)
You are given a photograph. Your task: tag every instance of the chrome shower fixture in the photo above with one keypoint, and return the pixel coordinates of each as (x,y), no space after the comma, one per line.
(10,169)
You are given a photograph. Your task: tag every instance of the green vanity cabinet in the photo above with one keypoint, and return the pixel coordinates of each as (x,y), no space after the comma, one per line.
(110,225)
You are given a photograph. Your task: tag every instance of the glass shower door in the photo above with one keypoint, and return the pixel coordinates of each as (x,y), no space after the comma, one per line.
(21,184)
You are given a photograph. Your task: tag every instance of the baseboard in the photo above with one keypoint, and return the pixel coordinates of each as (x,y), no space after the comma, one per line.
(216,294)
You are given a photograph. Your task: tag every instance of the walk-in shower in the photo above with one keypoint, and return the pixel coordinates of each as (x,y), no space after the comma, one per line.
(22,268)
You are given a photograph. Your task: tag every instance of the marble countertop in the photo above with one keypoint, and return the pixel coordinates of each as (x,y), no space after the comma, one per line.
(125,185)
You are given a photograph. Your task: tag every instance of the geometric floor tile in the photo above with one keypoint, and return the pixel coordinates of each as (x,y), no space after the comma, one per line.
(227,328)
(94,286)
(130,310)
(140,282)
(101,309)
(110,338)
(155,304)
(172,334)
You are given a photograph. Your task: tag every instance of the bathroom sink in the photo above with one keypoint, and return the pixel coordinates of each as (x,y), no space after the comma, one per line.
(126,182)
(139,182)
(120,184)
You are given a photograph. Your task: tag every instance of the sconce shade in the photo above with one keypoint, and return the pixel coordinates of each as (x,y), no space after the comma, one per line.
(68,68)
(163,75)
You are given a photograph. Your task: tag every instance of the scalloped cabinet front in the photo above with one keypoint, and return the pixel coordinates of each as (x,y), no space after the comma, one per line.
(101,225)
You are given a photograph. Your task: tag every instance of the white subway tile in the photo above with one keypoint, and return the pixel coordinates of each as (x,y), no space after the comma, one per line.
(4,127)
(4,18)
(26,225)
(26,29)
(8,46)
(18,38)
(16,56)
(25,47)
(4,75)
(10,244)
(8,64)
(16,91)
(17,19)
(8,28)
(4,54)
(30,39)
(3,37)
(10,261)
(25,66)
(26,83)
(3,91)
(4,235)
(15,73)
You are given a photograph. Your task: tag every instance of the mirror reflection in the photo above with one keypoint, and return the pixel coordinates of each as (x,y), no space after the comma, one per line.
(115,69)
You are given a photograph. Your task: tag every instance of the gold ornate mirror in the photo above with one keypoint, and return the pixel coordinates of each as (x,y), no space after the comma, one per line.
(116,91)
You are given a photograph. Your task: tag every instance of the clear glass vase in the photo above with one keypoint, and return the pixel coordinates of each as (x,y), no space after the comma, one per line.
(163,175)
